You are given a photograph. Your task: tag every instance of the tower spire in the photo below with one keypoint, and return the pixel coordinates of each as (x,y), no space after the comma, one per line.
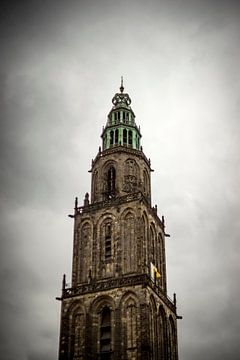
(121,87)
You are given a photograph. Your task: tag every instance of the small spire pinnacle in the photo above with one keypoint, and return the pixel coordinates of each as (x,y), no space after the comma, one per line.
(121,87)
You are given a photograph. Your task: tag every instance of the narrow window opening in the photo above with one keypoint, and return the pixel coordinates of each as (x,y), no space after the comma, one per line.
(124,136)
(105,334)
(130,137)
(116,136)
(111,137)
(108,241)
(111,180)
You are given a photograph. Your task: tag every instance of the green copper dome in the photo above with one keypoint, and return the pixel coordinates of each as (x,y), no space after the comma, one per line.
(121,129)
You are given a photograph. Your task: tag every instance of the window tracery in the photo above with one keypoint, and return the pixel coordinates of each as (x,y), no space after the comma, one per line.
(131,175)
(145,183)
(78,336)
(85,251)
(128,230)
(110,182)
(107,233)
(95,185)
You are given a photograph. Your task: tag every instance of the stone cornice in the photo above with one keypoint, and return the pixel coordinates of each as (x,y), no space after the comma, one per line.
(122,149)
(109,203)
(112,283)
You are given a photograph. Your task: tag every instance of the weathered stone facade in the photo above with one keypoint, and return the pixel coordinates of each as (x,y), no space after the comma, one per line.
(117,306)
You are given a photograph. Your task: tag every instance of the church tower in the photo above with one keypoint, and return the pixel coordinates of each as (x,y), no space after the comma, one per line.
(117,305)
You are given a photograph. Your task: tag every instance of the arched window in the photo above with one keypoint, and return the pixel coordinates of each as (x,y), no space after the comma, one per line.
(161,260)
(129,255)
(108,241)
(106,236)
(162,334)
(85,252)
(145,239)
(111,181)
(105,334)
(116,136)
(152,245)
(95,185)
(78,336)
(124,136)
(130,326)
(145,183)
(131,176)
(131,319)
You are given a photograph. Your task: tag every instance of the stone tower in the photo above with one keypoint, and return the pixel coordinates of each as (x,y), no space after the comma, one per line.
(117,306)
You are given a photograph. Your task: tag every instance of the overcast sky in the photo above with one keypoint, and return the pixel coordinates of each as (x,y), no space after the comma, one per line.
(61,63)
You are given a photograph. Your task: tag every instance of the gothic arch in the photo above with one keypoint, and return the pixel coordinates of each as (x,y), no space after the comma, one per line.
(109,177)
(128,241)
(126,211)
(153,328)
(145,231)
(77,304)
(129,307)
(152,243)
(102,311)
(107,231)
(146,183)
(85,233)
(103,217)
(162,333)
(131,175)
(95,186)
(100,302)
(172,339)
(161,259)
(106,234)
(77,323)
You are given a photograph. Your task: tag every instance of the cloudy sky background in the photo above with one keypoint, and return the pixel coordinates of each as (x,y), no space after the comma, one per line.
(61,64)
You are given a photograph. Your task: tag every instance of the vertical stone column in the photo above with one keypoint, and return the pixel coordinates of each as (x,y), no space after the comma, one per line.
(64,336)
(88,338)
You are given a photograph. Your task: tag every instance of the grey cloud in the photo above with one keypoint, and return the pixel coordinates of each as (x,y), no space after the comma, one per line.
(60,66)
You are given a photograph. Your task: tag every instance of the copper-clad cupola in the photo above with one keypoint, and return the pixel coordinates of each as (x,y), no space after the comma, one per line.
(121,129)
